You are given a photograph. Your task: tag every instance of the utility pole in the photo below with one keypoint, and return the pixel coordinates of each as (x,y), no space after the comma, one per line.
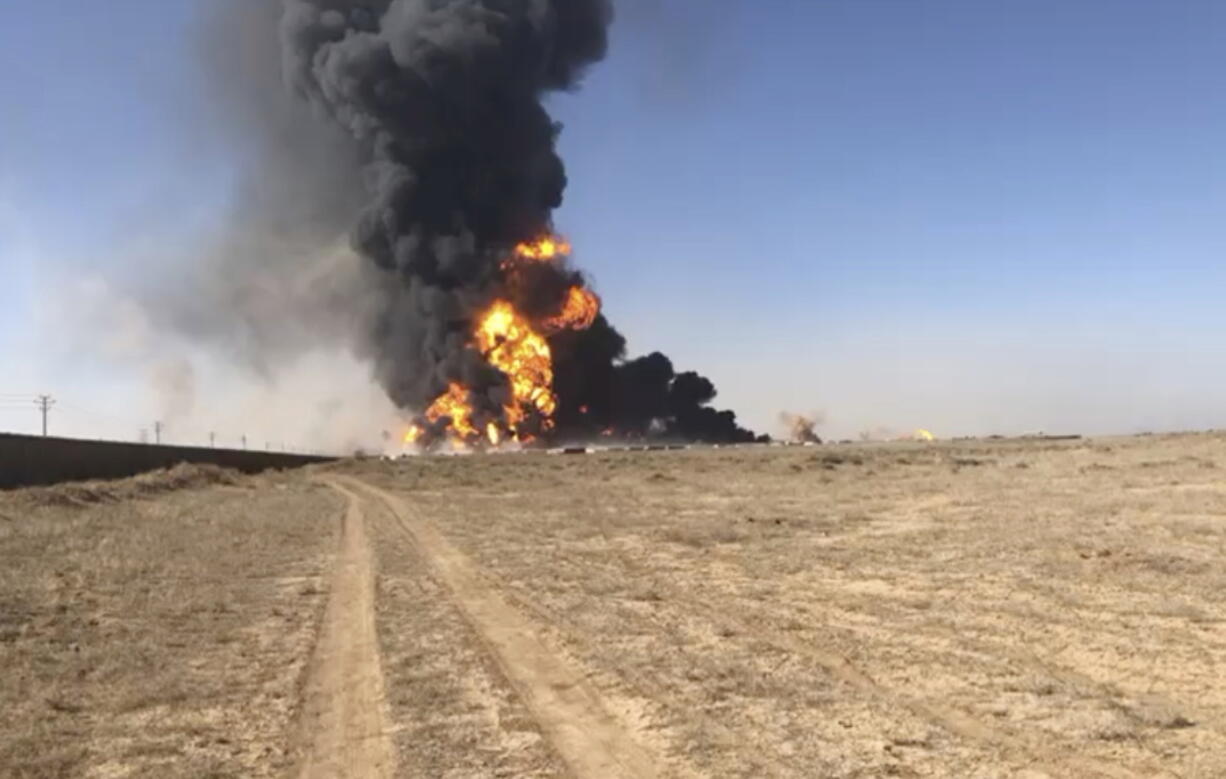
(157,433)
(244,442)
(212,440)
(44,403)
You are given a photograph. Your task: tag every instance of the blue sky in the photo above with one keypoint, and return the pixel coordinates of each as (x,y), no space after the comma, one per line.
(974,217)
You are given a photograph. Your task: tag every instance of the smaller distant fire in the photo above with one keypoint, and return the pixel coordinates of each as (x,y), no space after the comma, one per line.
(887,434)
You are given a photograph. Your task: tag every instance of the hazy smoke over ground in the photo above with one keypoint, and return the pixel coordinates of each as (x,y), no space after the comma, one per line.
(801,428)
(175,384)
(278,279)
(417,127)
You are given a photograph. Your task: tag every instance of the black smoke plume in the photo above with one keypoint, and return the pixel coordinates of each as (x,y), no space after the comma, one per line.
(443,102)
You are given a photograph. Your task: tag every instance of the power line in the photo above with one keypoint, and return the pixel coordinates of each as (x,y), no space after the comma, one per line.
(44,403)
(78,414)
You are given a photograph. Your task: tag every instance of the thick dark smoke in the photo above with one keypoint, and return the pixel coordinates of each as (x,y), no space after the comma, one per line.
(442,100)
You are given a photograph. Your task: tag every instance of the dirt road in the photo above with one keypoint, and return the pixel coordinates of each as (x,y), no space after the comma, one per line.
(578,723)
(345,727)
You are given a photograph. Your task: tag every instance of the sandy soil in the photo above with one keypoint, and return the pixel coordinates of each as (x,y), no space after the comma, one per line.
(992,608)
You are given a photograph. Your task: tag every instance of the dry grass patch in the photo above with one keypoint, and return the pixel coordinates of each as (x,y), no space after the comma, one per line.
(965,608)
(159,636)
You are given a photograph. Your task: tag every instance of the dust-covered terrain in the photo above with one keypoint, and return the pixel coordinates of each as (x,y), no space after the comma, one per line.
(990,608)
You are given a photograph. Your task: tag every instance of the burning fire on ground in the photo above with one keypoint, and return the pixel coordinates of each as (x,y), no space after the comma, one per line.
(487,332)
(519,349)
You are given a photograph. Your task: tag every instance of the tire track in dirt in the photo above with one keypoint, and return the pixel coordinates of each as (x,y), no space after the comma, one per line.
(648,684)
(571,712)
(1110,694)
(344,727)
(952,720)
(957,722)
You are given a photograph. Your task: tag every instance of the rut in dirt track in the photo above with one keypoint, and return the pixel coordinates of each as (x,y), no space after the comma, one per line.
(571,713)
(344,729)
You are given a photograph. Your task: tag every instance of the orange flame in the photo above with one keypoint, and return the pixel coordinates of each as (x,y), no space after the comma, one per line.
(454,405)
(509,341)
(511,345)
(580,311)
(544,249)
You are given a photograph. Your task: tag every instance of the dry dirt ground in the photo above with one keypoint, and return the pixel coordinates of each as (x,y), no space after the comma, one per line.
(160,626)
(993,608)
